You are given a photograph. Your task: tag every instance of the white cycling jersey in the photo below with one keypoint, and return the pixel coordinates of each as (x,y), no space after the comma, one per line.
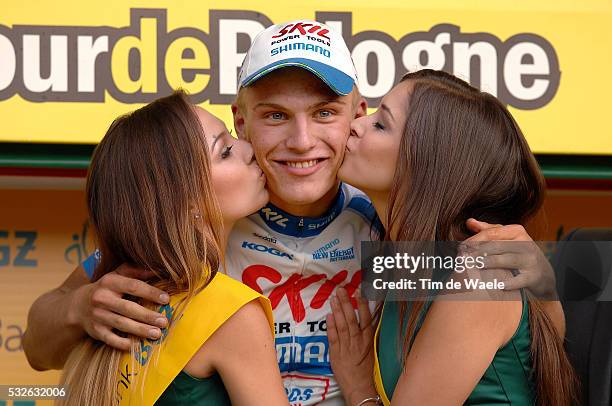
(298,263)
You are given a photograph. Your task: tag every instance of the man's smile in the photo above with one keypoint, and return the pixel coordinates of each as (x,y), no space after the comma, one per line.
(301,167)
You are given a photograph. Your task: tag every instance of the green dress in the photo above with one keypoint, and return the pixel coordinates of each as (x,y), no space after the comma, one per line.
(188,390)
(507,381)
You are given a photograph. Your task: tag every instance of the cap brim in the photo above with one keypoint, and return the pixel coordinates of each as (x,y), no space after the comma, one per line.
(338,81)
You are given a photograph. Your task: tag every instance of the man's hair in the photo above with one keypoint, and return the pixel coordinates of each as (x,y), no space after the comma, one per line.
(239,102)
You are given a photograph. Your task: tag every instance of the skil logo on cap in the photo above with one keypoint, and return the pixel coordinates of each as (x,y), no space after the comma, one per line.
(301,28)
(295,31)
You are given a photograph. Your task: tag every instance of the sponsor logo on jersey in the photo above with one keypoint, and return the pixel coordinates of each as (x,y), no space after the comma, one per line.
(313,326)
(302,388)
(323,222)
(268,238)
(319,253)
(342,254)
(265,249)
(275,217)
(334,255)
(308,354)
(291,287)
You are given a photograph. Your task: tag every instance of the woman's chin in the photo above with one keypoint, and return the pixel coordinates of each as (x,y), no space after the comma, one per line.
(262,198)
(265,198)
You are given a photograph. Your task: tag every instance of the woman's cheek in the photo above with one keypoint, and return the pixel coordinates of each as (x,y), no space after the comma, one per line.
(223,182)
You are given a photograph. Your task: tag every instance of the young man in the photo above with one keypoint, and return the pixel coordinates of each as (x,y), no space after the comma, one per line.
(297,98)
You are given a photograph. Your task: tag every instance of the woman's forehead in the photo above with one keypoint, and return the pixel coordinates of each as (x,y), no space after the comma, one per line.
(211,124)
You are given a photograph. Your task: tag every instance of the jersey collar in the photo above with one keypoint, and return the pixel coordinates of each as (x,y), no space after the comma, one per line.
(297,226)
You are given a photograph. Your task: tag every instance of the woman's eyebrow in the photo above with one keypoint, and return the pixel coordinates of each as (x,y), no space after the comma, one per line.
(215,139)
(387,110)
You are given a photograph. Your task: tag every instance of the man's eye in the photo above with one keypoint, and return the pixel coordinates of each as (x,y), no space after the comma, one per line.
(378,125)
(226,151)
(276,116)
(325,113)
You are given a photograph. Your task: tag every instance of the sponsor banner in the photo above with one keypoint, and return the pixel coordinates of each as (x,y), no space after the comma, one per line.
(75,66)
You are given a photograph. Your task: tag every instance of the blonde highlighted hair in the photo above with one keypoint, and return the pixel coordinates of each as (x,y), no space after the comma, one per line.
(151,204)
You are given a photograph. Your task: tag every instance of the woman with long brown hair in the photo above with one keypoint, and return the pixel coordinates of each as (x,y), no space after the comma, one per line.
(165,186)
(437,153)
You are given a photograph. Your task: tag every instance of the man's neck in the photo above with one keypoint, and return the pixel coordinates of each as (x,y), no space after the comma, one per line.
(315,209)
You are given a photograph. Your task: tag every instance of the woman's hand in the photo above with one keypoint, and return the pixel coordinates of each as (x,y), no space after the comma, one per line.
(101,307)
(351,349)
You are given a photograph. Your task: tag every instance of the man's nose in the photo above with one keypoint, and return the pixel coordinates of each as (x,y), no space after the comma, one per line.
(301,138)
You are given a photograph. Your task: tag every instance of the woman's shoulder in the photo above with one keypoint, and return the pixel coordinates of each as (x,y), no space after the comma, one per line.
(498,319)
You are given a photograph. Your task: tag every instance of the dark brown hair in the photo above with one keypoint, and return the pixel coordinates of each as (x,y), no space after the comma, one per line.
(463,155)
(151,204)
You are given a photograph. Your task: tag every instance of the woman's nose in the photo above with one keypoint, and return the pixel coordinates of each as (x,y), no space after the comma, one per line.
(357,127)
(248,153)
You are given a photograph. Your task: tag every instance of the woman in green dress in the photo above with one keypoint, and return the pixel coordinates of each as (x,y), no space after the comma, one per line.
(436,153)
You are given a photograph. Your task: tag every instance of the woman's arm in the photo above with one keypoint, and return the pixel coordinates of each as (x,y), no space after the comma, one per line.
(242,351)
(453,349)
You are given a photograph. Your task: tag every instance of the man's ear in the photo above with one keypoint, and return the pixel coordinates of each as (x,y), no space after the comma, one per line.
(239,122)
(362,108)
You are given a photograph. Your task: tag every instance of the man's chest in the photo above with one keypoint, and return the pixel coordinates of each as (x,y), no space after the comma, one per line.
(299,275)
